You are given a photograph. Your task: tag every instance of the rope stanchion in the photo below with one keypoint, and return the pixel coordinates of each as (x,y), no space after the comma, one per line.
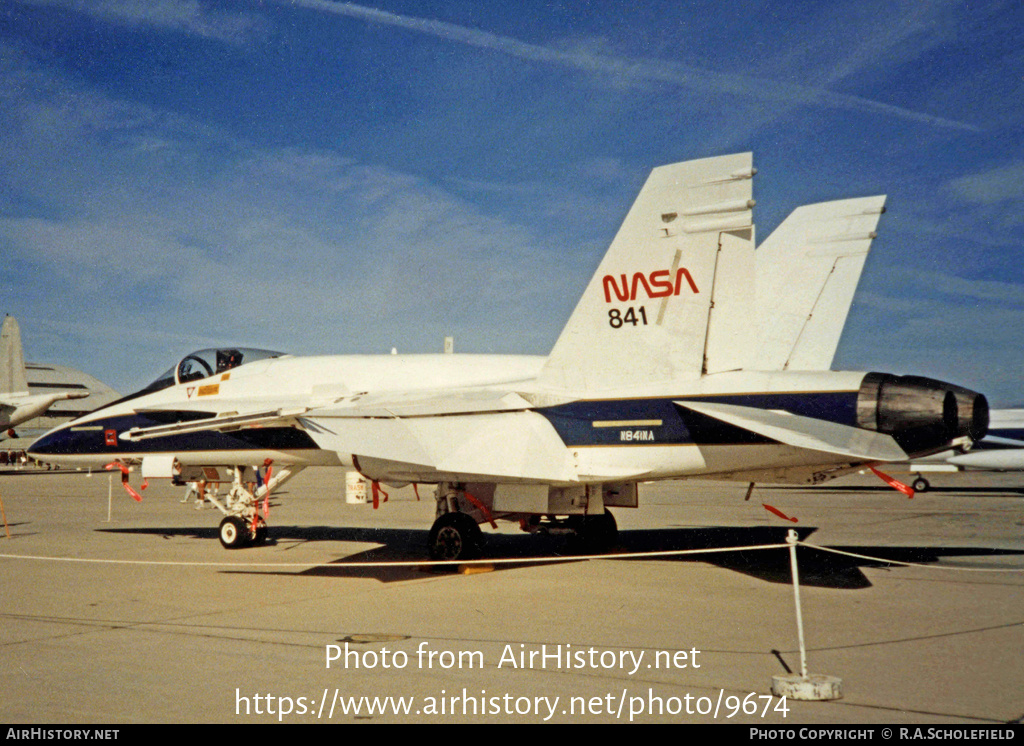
(807,687)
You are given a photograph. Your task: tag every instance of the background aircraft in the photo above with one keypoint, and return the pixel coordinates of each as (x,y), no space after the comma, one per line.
(17,405)
(657,375)
(1002,449)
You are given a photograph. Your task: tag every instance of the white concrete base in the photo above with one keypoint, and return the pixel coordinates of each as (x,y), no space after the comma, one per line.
(816,687)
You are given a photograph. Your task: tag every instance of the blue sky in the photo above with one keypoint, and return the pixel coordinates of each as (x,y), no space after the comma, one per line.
(317,177)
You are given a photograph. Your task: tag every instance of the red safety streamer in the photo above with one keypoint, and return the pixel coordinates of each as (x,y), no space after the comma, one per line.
(377,492)
(266,483)
(416,490)
(778,512)
(906,489)
(480,506)
(124,479)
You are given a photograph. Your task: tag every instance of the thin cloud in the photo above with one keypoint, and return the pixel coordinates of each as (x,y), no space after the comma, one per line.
(184,16)
(659,71)
(1001,184)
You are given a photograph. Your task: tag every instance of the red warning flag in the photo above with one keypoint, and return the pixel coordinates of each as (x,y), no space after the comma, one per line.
(377,492)
(906,489)
(778,512)
(124,479)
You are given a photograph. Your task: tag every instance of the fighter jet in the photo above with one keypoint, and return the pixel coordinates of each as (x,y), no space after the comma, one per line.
(662,372)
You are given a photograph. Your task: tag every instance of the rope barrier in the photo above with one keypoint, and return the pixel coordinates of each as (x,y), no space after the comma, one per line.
(499,561)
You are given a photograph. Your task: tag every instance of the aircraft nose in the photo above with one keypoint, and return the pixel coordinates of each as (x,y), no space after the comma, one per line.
(53,444)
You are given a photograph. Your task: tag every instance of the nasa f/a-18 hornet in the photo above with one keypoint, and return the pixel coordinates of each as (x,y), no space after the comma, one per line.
(690,354)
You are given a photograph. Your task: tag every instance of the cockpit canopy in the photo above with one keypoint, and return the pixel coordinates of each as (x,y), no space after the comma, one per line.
(205,363)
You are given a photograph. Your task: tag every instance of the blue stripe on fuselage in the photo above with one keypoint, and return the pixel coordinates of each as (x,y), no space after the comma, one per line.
(574,422)
(90,438)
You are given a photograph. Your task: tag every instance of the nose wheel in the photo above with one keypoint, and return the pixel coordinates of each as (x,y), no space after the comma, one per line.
(236,533)
(233,532)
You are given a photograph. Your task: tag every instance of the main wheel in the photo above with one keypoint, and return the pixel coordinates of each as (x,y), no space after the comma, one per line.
(234,534)
(921,485)
(595,533)
(454,536)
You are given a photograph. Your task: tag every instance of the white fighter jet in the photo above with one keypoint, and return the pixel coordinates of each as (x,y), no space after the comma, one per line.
(17,405)
(662,372)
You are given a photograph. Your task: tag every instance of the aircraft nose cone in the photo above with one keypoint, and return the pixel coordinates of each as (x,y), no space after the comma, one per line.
(51,444)
(41,446)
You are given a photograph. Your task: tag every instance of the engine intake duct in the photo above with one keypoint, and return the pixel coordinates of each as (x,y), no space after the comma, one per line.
(922,414)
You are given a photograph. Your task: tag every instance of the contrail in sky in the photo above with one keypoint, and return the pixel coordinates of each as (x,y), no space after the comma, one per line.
(641,69)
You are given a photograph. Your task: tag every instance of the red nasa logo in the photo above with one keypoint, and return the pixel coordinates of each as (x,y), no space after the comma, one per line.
(656,285)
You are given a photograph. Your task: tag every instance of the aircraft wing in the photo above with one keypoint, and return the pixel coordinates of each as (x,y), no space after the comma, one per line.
(804,432)
(427,436)
(417,434)
(425,403)
(18,408)
(506,447)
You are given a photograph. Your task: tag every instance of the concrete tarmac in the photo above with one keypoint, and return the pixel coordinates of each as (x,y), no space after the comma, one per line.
(144,618)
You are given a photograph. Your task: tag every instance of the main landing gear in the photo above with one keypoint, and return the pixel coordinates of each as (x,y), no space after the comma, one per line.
(594,534)
(456,533)
(454,536)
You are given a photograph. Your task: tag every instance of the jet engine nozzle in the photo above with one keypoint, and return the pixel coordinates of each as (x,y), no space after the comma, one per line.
(922,414)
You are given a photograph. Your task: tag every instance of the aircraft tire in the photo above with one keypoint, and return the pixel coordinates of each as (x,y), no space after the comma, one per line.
(921,485)
(234,534)
(595,533)
(261,535)
(454,536)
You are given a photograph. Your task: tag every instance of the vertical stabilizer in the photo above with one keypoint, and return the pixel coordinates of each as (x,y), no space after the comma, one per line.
(645,314)
(12,359)
(807,271)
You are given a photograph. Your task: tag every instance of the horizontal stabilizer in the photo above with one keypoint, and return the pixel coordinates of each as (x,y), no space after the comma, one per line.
(1007,459)
(804,432)
(996,440)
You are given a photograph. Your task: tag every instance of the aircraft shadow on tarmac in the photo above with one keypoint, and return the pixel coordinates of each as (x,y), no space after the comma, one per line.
(816,568)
